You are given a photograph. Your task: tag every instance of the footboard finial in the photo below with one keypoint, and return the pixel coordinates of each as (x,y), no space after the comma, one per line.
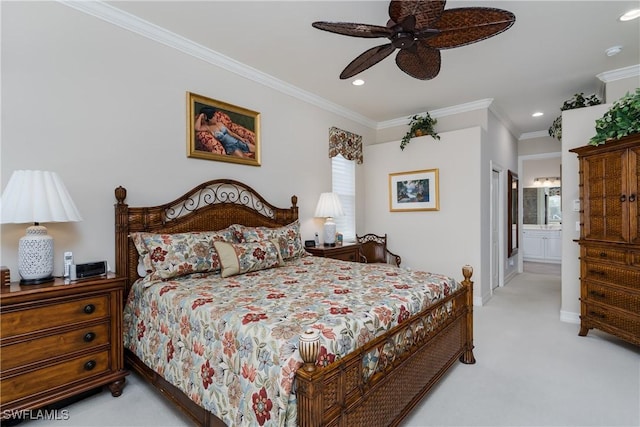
(309,348)
(467,357)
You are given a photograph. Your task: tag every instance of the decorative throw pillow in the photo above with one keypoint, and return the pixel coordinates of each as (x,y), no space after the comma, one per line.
(288,238)
(166,256)
(239,258)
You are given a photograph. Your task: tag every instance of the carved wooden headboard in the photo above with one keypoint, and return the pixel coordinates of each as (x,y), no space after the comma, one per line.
(212,205)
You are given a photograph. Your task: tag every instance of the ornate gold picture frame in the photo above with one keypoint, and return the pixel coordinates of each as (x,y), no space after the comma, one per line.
(414,191)
(220,131)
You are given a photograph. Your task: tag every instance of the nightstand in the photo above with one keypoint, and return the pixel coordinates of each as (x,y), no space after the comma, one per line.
(346,252)
(58,340)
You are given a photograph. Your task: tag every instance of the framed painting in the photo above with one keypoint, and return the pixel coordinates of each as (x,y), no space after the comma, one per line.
(414,191)
(221,131)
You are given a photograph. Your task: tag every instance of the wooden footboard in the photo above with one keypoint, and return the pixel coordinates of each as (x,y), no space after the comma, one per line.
(380,383)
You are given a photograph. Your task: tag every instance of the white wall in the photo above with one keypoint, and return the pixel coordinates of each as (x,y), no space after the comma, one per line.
(438,241)
(105,107)
(578,126)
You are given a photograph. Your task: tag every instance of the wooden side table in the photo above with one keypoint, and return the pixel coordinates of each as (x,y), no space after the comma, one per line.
(58,340)
(346,252)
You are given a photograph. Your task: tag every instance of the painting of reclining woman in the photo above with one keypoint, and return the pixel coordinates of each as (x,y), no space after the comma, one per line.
(221,131)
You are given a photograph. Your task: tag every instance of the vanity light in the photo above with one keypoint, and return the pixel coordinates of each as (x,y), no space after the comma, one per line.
(358,82)
(632,14)
(552,181)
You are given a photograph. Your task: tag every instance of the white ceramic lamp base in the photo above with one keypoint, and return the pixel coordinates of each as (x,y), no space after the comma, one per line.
(35,256)
(329,232)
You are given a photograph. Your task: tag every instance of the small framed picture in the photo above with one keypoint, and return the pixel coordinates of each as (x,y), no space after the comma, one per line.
(414,191)
(221,131)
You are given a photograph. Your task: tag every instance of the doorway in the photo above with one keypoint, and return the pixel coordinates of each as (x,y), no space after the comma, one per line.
(497,226)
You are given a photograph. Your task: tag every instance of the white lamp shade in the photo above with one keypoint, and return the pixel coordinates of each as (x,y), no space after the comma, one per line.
(329,206)
(37,196)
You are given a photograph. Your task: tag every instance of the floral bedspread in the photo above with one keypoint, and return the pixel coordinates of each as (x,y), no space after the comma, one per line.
(231,344)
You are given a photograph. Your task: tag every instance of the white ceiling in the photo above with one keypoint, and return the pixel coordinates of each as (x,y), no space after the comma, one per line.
(554,50)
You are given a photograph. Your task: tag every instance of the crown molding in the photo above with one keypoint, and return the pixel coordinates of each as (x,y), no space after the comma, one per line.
(156,33)
(536,134)
(440,112)
(620,73)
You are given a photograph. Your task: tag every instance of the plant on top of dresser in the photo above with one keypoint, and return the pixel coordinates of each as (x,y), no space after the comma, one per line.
(622,119)
(420,126)
(578,101)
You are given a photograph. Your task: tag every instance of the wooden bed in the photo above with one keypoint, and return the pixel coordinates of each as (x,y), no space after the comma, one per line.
(338,394)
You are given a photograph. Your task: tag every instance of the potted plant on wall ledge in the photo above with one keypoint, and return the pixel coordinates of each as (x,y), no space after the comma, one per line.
(420,126)
(621,120)
(578,101)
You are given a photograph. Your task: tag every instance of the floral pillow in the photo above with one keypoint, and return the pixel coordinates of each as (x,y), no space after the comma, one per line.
(165,256)
(288,237)
(239,258)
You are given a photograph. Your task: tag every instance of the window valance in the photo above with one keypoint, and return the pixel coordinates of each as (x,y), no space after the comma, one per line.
(346,143)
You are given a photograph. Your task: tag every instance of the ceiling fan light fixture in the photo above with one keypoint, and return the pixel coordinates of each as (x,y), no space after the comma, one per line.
(357,82)
(630,15)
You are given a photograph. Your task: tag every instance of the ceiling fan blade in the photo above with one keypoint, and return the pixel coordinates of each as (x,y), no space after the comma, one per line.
(463,26)
(353,29)
(419,61)
(425,12)
(366,60)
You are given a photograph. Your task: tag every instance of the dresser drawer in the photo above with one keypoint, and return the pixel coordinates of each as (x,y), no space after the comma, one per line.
(50,377)
(608,317)
(614,297)
(613,274)
(602,254)
(22,352)
(63,313)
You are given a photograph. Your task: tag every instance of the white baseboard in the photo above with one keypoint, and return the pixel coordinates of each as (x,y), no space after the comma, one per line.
(569,317)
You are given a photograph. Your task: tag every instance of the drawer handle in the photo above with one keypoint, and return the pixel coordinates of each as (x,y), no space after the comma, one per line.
(89,336)
(89,308)
(603,254)
(598,294)
(595,314)
(600,273)
(89,365)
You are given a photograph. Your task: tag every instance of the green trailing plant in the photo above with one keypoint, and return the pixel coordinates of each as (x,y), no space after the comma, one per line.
(578,101)
(622,119)
(420,126)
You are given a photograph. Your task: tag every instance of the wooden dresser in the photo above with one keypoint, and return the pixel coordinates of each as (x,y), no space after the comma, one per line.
(58,340)
(346,252)
(610,238)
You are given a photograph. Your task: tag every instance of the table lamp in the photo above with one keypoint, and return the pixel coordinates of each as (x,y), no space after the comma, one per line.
(329,206)
(36,196)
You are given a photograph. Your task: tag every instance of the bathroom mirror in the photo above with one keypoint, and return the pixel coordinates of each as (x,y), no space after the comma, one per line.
(541,206)
(512,221)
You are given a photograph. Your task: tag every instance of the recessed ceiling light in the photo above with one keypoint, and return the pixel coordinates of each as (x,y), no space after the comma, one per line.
(613,50)
(632,14)
(537,114)
(358,82)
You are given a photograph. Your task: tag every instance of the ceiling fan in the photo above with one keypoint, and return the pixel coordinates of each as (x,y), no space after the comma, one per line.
(419,29)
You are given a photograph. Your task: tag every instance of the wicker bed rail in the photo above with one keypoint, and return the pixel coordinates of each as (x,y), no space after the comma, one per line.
(360,391)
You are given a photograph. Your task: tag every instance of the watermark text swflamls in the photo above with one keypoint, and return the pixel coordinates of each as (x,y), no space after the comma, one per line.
(36,414)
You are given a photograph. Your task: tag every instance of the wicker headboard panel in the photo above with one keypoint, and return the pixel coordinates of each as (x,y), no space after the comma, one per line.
(212,205)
